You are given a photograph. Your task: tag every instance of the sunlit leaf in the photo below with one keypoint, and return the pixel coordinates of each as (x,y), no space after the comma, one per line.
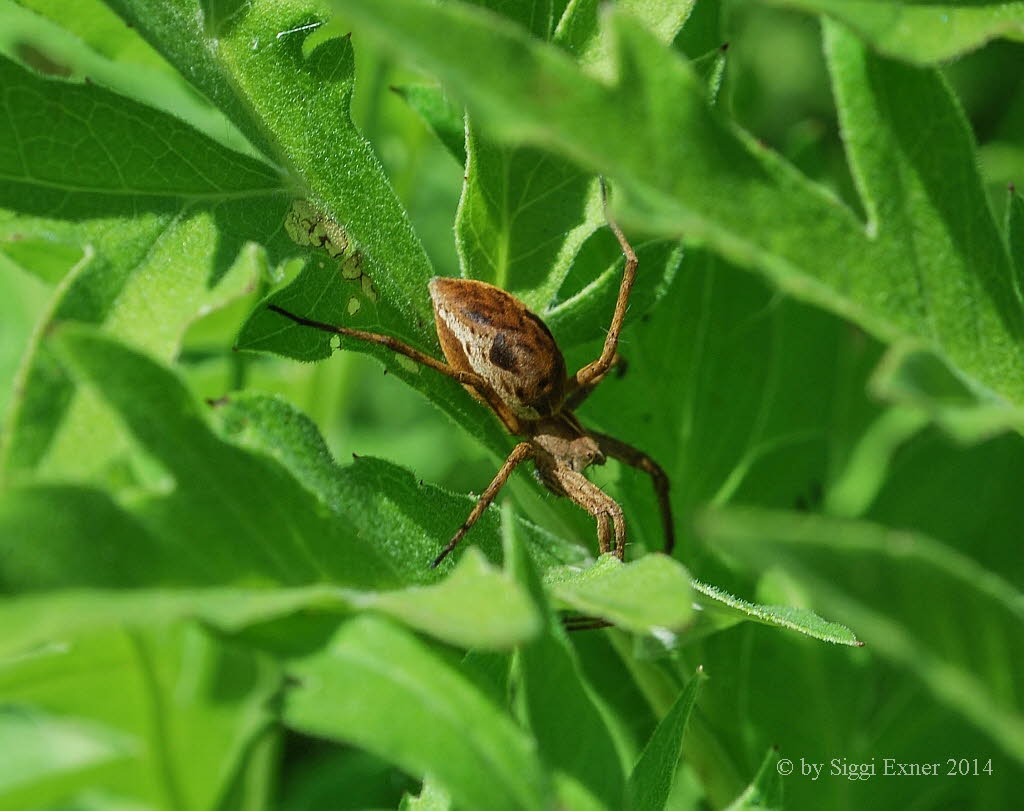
(718,186)
(652,593)
(922,32)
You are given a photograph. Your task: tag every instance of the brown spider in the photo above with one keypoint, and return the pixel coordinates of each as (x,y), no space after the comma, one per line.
(506,357)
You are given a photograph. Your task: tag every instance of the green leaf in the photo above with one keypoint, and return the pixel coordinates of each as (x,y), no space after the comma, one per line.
(586,300)
(711,68)
(452,610)
(349,186)
(724,610)
(380,688)
(47,618)
(924,388)
(40,747)
(252,60)
(431,798)
(651,594)
(386,501)
(180,709)
(157,544)
(24,298)
(1015,235)
(930,244)
(247,518)
(933,488)
(51,426)
(556,697)
(743,394)
(703,33)
(766,790)
(446,119)
(727,412)
(138,151)
(962,290)
(922,32)
(652,777)
(580,32)
(87,39)
(234,524)
(151,207)
(963,642)
(96,26)
(304,100)
(185,33)
(858,483)
(475,607)
(536,16)
(525,214)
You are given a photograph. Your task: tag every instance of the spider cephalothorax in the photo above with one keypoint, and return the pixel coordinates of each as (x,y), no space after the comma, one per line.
(506,357)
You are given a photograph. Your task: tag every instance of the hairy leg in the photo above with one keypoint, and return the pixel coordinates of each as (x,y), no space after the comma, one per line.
(579,489)
(520,453)
(599,367)
(604,532)
(634,457)
(472,379)
(575,400)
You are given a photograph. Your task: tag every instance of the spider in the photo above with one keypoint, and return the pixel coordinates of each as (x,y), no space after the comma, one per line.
(506,357)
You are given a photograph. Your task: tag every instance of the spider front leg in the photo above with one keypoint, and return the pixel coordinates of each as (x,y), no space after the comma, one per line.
(590,374)
(575,400)
(634,457)
(578,488)
(510,421)
(520,453)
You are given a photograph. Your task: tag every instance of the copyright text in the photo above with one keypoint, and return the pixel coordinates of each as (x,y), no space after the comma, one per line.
(885,767)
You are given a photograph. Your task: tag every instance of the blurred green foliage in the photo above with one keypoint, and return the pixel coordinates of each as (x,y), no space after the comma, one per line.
(206,605)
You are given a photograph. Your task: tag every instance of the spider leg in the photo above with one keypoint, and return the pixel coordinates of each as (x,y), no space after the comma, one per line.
(604,532)
(574,400)
(598,368)
(520,453)
(634,457)
(583,492)
(471,379)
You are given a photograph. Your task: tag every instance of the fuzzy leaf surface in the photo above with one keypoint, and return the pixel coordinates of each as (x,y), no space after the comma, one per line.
(929,263)
(921,32)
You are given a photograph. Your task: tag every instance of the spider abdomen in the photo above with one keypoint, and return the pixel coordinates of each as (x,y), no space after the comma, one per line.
(485,330)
